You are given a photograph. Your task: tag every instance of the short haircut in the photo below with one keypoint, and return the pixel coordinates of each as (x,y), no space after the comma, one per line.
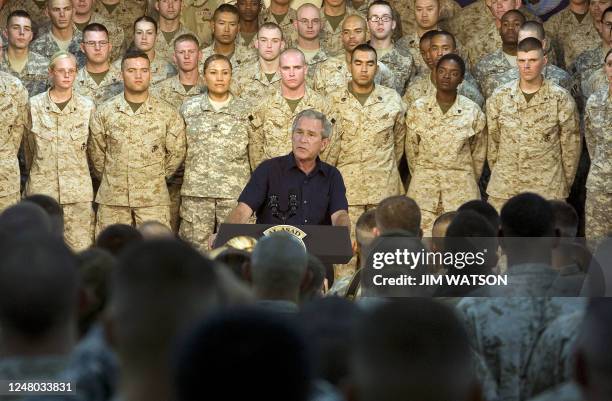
(317,271)
(606,11)
(278,263)
(381,3)
(53,209)
(295,51)
(607,55)
(453,57)
(61,55)
(364,226)
(398,213)
(484,209)
(271,26)
(95,27)
(226,8)
(187,37)
(428,35)
(116,237)
(25,218)
(315,115)
(535,27)
(527,215)
(18,13)
(468,223)
(132,54)
(394,361)
(445,218)
(566,218)
(153,229)
(145,18)
(364,47)
(530,44)
(515,12)
(304,6)
(252,344)
(38,285)
(216,57)
(447,34)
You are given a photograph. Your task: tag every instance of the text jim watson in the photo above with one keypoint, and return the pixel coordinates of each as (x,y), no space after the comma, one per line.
(450,280)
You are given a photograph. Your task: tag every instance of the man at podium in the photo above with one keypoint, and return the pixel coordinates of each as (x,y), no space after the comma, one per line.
(299,188)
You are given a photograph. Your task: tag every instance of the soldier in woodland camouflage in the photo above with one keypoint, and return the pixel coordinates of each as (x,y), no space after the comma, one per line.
(137,142)
(35,9)
(217,162)
(446,151)
(56,150)
(13,113)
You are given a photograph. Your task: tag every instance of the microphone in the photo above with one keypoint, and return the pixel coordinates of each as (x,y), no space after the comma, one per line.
(293,203)
(274,206)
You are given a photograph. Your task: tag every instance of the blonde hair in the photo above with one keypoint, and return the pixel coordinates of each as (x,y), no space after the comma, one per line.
(60,55)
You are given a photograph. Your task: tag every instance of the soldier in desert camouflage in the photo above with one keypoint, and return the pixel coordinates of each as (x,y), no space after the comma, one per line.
(170,27)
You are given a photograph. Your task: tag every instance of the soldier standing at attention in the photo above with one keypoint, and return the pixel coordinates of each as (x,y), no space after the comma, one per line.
(217,163)
(123,12)
(56,150)
(333,14)
(447,150)
(249,23)
(283,15)
(98,79)
(137,142)
(13,113)
(84,15)
(534,139)
(308,27)
(170,27)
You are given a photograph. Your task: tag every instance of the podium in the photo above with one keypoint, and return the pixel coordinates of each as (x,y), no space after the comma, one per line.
(330,244)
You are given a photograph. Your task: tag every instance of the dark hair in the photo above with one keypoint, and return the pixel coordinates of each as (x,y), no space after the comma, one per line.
(428,35)
(398,213)
(607,10)
(95,27)
(226,8)
(145,18)
(116,237)
(566,218)
(24,218)
(216,57)
(18,13)
(517,12)
(317,271)
(484,209)
(607,54)
(187,37)
(53,209)
(453,57)
(527,215)
(364,47)
(530,44)
(447,34)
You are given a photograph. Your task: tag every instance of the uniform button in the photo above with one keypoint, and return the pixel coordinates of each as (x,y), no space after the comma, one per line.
(305,221)
(305,202)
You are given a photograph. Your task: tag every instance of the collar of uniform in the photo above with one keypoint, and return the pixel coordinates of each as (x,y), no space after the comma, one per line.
(375,97)
(124,107)
(281,102)
(457,109)
(178,87)
(260,76)
(319,57)
(207,106)
(541,96)
(290,163)
(348,12)
(50,105)
(291,16)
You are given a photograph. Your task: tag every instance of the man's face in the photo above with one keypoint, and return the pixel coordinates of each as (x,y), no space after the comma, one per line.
(225,28)
(500,7)
(169,9)
(218,76)
(293,70)
(308,23)
(269,44)
(440,46)
(248,9)
(509,29)
(597,7)
(63,73)
(530,64)
(307,139)
(60,13)
(136,74)
(353,33)
(19,32)
(186,55)
(424,46)
(448,75)
(427,13)
(363,67)
(96,47)
(380,21)
(608,68)
(144,36)
(82,7)
(606,28)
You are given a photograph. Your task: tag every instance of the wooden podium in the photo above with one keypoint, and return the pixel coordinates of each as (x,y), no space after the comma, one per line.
(330,244)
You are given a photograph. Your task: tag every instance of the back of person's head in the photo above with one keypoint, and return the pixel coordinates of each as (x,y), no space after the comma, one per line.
(25,218)
(155,230)
(95,269)
(38,287)
(243,354)
(364,228)
(527,215)
(116,237)
(157,289)
(53,209)
(593,361)
(398,213)
(315,272)
(438,232)
(566,218)
(278,265)
(328,325)
(484,209)
(412,349)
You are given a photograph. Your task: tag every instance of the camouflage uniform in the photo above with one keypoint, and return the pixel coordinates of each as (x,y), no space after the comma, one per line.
(484,42)
(330,38)
(533,147)
(446,154)
(46,46)
(216,167)
(570,36)
(13,112)
(598,121)
(134,154)
(314,64)
(586,63)
(334,73)
(422,86)
(196,15)
(286,25)
(271,121)
(37,11)
(173,92)
(406,11)
(401,65)
(165,50)
(111,85)
(250,83)
(116,34)
(246,47)
(410,43)
(124,14)
(160,69)
(594,82)
(34,75)
(551,72)
(56,154)
(240,57)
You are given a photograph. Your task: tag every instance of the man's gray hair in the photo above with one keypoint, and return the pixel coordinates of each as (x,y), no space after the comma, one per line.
(316,115)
